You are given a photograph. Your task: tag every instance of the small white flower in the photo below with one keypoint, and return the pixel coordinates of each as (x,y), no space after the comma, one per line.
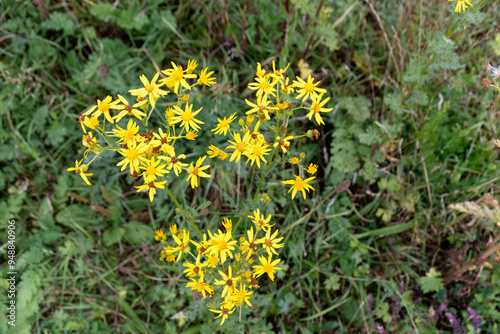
(495,71)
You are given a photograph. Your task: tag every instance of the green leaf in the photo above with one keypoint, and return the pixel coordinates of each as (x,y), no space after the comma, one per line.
(431,282)
(138,232)
(112,236)
(382,312)
(59,21)
(359,107)
(332,283)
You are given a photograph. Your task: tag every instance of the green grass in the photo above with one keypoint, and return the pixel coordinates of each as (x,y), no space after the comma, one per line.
(411,131)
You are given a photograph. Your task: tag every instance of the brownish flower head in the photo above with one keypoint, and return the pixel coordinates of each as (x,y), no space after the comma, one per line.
(134,175)
(283,128)
(125,146)
(151,185)
(128,108)
(486,83)
(316,134)
(174,160)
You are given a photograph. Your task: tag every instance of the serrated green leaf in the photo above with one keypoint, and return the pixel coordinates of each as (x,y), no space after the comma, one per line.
(431,282)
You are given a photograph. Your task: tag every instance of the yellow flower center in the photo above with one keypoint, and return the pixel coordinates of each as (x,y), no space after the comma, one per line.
(257,150)
(214,260)
(241,147)
(149,88)
(309,87)
(222,245)
(299,184)
(103,106)
(317,109)
(187,116)
(264,85)
(268,268)
(151,170)
(222,124)
(128,134)
(132,154)
(240,295)
(199,286)
(195,171)
(177,75)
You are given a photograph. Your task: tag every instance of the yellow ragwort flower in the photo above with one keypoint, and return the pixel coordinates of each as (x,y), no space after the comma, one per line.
(151,89)
(267,267)
(187,117)
(228,281)
(239,145)
(223,125)
(152,170)
(225,309)
(461,5)
(178,75)
(260,220)
(125,135)
(317,108)
(103,108)
(80,170)
(299,185)
(197,170)
(200,286)
(261,108)
(312,169)
(151,188)
(256,152)
(159,235)
(174,162)
(308,88)
(195,269)
(283,143)
(241,295)
(263,86)
(221,245)
(128,110)
(205,78)
(270,242)
(133,154)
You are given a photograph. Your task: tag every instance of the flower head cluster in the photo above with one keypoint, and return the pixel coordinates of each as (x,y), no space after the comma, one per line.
(221,267)
(149,153)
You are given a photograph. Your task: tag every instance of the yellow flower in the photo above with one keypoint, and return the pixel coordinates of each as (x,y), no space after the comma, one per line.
(202,246)
(222,245)
(151,187)
(263,86)
(212,260)
(187,117)
(312,169)
(80,170)
(261,108)
(316,108)
(90,142)
(223,125)
(270,242)
(228,224)
(267,266)
(255,152)
(239,145)
(173,229)
(205,79)
(132,155)
(195,269)
(192,64)
(241,295)
(294,160)
(299,185)
(200,286)
(153,169)
(128,110)
(178,76)
(160,235)
(191,135)
(197,170)
(284,143)
(260,220)
(260,72)
(223,155)
(286,88)
(308,88)
(174,162)
(182,244)
(225,310)
(128,134)
(151,89)
(250,246)
(91,122)
(278,73)
(103,108)
(163,139)
(461,5)
(228,281)
(169,114)
(213,151)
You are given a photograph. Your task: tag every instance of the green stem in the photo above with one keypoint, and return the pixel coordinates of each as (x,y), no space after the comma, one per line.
(180,208)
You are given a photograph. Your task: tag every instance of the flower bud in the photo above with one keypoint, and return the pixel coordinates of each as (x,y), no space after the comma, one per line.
(84,168)
(309,134)
(302,155)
